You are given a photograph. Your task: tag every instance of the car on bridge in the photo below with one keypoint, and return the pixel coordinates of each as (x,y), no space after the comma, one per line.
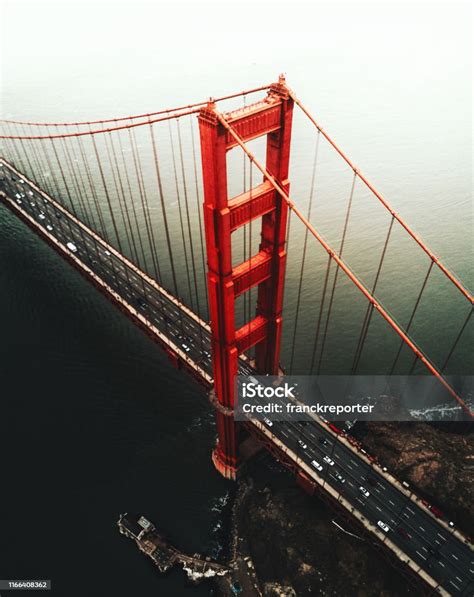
(316,465)
(340,478)
(364,491)
(403,533)
(328,460)
(72,247)
(383,526)
(140,301)
(302,444)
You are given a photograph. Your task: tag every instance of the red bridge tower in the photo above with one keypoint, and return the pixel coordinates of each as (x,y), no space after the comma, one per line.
(222,216)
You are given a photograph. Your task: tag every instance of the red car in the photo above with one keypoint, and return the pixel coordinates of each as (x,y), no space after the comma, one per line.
(437,512)
(401,531)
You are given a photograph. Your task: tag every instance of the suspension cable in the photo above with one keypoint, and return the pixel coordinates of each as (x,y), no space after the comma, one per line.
(180,213)
(98,208)
(163,209)
(73,160)
(119,196)
(321,308)
(107,196)
(457,340)
(132,203)
(165,222)
(92,132)
(137,116)
(130,235)
(198,206)
(191,243)
(412,316)
(141,192)
(188,219)
(370,308)
(75,181)
(303,257)
(336,273)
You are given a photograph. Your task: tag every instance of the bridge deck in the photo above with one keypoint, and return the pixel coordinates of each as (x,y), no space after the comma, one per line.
(427,546)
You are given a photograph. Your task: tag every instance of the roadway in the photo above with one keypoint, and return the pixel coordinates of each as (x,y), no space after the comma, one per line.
(435,548)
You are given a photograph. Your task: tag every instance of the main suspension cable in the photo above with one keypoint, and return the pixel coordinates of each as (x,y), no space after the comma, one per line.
(138,116)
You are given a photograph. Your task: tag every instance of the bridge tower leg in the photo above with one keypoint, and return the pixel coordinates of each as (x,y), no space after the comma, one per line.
(271,117)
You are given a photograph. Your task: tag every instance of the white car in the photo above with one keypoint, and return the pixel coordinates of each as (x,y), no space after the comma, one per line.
(49,227)
(302,444)
(17,195)
(267,422)
(328,460)
(316,465)
(186,347)
(42,216)
(364,491)
(30,193)
(107,253)
(383,526)
(33,204)
(72,247)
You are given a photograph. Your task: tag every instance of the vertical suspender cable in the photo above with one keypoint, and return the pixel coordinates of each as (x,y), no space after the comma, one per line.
(336,273)
(199,207)
(81,169)
(163,209)
(303,257)
(56,185)
(133,246)
(165,222)
(191,244)
(107,196)
(141,190)
(412,316)
(154,246)
(178,197)
(370,308)
(102,227)
(75,182)
(120,197)
(132,203)
(38,164)
(186,203)
(321,309)
(457,340)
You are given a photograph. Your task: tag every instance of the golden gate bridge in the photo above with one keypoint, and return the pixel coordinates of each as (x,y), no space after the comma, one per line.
(160,211)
